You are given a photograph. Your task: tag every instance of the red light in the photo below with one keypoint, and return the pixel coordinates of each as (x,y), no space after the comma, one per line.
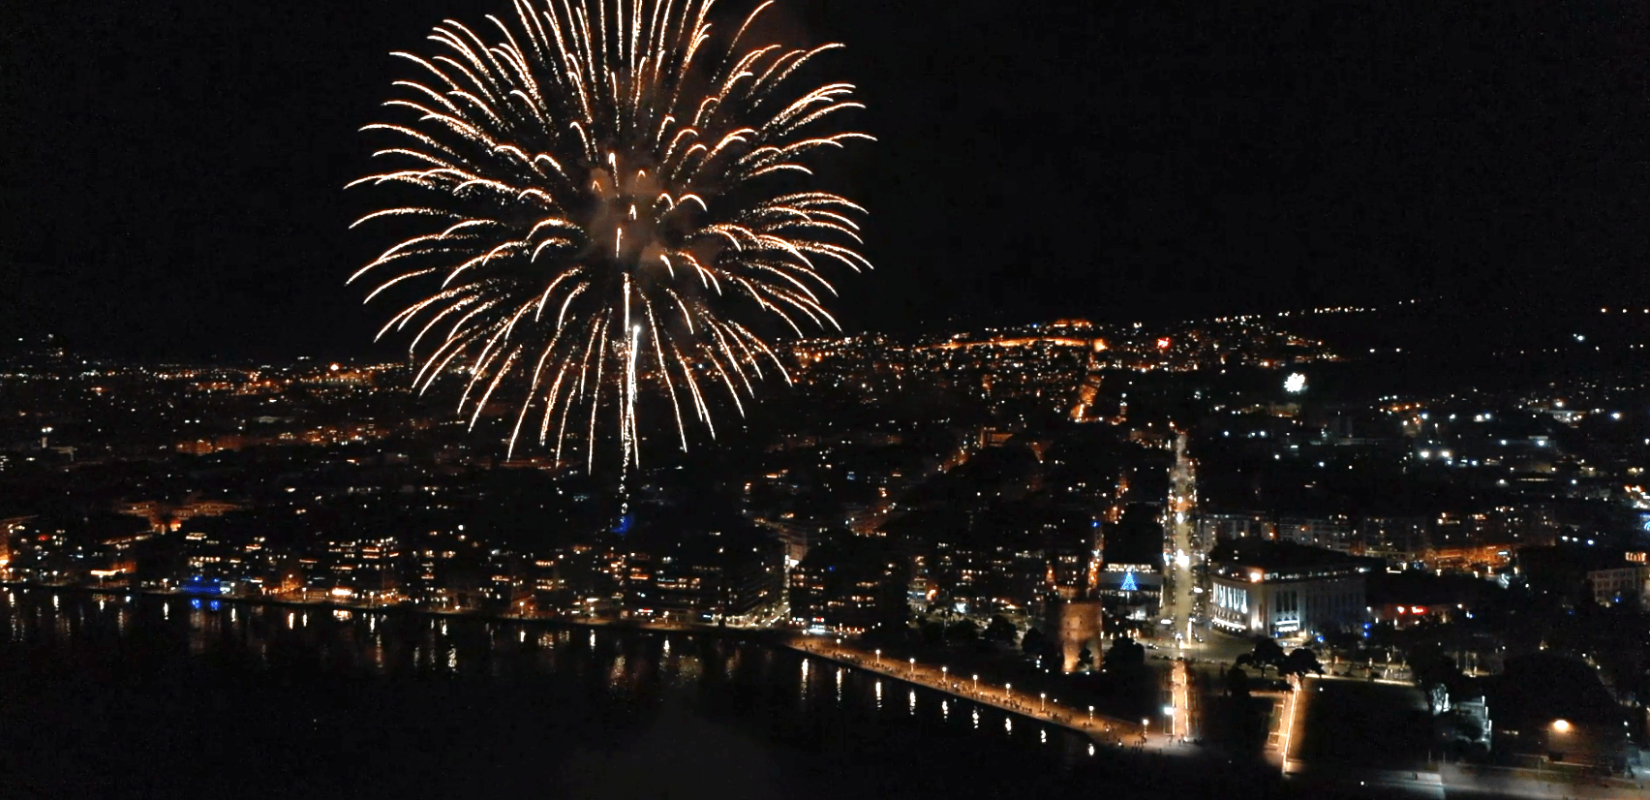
(1420,609)
(1163,344)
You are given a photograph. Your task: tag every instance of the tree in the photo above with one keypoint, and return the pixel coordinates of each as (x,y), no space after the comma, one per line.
(1085,658)
(1033,643)
(1438,675)
(932,632)
(1267,653)
(1000,631)
(1125,655)
(1237,682)
(1299,662)
(963,632)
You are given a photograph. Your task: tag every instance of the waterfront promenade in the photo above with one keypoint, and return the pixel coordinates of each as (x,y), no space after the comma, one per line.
(1037,706)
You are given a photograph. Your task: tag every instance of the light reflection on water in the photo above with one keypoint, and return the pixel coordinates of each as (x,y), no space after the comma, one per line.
(633,667)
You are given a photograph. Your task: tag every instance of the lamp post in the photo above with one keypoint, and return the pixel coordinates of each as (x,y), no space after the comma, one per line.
(1042,701)
(1091,714)
(945,676)
(879,658)
(913,668)
(976,683)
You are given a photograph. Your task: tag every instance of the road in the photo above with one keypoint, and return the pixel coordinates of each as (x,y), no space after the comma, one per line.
(1181,600)
(871,520)
(1374,738)
(1467,781)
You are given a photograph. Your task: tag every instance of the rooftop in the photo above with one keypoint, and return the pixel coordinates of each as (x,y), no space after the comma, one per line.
(1275,556)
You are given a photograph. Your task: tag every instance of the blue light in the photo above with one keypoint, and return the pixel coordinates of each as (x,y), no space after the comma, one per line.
(200,585)
(214,604)
(1096,524)
(1128,582)
(195,603)
(624,524)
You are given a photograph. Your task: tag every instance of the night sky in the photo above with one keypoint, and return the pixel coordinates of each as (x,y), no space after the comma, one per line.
(173,170)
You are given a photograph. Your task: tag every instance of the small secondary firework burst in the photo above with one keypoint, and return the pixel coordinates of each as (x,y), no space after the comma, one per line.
(602,190)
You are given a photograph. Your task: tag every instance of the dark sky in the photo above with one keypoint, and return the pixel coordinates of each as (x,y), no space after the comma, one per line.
(172,169)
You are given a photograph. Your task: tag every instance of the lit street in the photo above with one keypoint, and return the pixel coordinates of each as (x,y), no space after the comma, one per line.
(1180,601)
(1104,729)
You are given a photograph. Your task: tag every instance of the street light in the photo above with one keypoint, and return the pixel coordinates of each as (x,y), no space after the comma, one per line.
(1561,726)
(976,684)
(945,675)
(879,657)
(913,668)
(1091,713)
(1042,701)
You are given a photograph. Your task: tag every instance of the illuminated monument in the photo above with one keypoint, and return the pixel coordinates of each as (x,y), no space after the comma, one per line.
(1071,611)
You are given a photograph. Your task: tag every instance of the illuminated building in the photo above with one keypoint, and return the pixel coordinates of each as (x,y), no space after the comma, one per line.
(1075,623)
(701,575)
(1131,550)
(1580,573)
(1280,589)
(1330,534)
(1627,582)
(9,528)
(852,586)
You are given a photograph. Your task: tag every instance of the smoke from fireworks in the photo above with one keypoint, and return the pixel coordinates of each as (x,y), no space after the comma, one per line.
(601,190)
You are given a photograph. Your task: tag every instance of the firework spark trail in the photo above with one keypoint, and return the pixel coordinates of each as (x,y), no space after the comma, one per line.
(598,158)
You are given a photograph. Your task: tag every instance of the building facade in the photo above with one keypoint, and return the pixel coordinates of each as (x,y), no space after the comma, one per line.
(1628,583)
(1282,590)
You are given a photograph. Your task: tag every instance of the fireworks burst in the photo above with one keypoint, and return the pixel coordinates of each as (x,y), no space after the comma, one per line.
(598,195)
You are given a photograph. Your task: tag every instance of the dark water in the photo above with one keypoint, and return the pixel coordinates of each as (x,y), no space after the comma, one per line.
(105,696)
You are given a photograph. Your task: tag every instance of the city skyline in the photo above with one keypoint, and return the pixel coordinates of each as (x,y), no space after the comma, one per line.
(793,399)
(1092,529)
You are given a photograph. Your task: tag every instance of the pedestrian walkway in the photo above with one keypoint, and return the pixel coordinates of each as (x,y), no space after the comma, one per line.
(1103,729)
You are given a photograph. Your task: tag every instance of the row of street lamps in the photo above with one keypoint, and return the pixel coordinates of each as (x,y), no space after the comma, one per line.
(1008,688)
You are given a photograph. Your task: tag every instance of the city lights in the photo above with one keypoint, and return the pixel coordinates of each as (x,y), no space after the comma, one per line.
(636,393)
